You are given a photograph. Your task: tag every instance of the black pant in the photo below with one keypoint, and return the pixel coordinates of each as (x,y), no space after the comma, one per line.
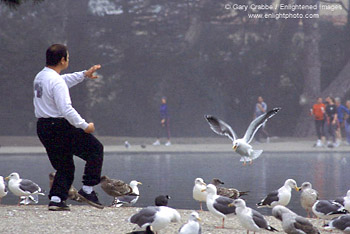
(329,129)
(319,124)
(62,141)
(164,130)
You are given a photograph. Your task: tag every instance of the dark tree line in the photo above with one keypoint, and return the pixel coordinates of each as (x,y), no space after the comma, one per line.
(16,3)
(203,57)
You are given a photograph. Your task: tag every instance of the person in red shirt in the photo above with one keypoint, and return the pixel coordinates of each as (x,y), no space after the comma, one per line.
(318,110)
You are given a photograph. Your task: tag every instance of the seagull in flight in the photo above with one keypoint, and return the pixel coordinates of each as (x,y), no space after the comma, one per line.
(242,146)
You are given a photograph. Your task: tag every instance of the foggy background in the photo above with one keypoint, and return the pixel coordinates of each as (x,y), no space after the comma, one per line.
(204,58)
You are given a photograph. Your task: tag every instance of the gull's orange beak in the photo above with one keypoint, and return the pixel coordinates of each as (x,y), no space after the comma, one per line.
(203,190)
(234,147)
(297,189)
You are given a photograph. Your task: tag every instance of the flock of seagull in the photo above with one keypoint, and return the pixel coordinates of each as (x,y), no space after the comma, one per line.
(221,202)
(223,206)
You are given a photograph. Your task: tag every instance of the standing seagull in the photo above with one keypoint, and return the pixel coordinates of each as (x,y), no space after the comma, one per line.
(156,216)
(342,223)
(192,226)
(162,200)
(115,188)
(308,197)
(293,223)
(328,209)
(26,200)
(3,190)
(345,201)
(281,196)
(227,192)
(250,219)
(242,146)
(198,193)
(218,205)
(128,199)
(22,187)
(127,144)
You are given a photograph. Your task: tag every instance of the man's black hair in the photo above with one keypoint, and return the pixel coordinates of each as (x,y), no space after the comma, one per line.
(55,53)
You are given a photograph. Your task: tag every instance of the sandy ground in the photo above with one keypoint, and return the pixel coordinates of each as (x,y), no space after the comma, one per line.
(86,219)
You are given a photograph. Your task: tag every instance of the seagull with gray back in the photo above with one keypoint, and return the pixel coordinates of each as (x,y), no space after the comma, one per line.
(22,187)
(293,223)
(251,219)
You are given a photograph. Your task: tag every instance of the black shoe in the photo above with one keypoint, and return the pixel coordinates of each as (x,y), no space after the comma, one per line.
(58,206)
(91,198)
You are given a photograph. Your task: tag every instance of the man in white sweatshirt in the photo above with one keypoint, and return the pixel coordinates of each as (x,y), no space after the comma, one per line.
(63,132)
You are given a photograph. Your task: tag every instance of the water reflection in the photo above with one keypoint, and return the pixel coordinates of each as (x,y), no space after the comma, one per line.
(174,174)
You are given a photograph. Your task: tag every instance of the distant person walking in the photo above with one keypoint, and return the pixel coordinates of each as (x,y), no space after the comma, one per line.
(63,132)
(260,109)
(164,130)
(318,111)
(347,123)
(341,111)
(331,121)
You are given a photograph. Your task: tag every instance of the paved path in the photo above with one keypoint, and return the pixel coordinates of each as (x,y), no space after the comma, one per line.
(21,145)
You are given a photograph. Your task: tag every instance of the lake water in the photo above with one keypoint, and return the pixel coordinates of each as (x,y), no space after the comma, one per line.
(174,174)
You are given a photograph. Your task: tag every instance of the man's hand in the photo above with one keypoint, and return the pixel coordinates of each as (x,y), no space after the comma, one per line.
(90,128)
(90,73)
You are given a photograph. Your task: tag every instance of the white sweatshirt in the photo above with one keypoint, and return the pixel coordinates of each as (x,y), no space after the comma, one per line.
(52,99)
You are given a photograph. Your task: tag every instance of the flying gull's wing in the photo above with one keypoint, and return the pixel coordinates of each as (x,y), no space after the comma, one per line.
(257,123)
(220,127)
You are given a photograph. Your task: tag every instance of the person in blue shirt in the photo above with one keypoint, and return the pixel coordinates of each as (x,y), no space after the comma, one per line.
(341,110)
(164,130)
(347,123)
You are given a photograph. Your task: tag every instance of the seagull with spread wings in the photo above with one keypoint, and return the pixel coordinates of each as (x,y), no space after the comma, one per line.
(242,146)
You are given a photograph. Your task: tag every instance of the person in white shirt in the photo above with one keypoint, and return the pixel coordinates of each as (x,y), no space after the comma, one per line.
(260,109)
(63,132)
